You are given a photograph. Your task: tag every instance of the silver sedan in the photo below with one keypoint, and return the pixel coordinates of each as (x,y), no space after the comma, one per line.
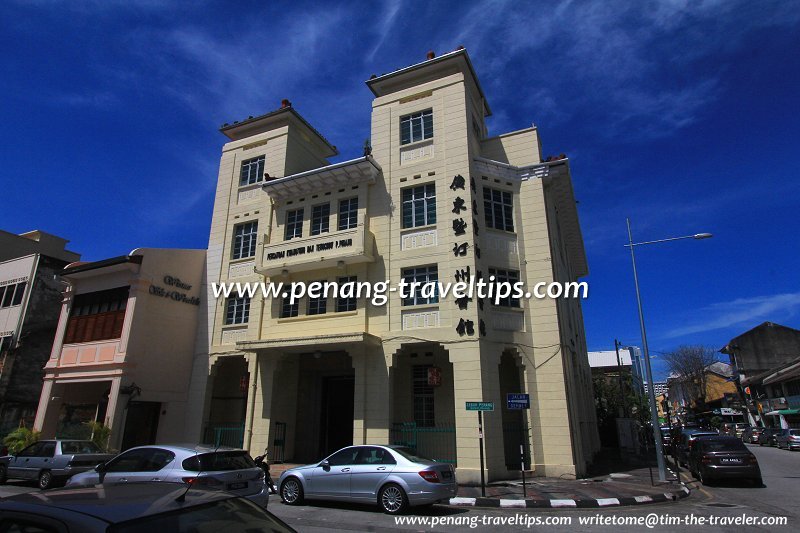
(391,476)
(204,467)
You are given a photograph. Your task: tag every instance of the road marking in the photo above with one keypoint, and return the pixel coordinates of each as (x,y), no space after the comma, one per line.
(563,503)
(512,503)
(602,502)
(643,499)
(462,501)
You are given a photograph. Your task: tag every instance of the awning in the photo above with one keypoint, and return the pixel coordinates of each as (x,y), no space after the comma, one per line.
(783,412)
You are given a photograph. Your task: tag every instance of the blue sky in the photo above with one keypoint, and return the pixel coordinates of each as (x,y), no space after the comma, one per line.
(681,115)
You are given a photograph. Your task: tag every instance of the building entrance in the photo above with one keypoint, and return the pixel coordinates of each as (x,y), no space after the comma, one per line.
(336,424)
(141,424)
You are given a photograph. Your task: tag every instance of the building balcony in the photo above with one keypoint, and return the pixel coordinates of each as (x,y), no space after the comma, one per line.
(332,249)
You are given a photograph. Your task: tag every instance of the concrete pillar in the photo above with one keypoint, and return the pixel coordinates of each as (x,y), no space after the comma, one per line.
(467,386)
(115,414)
(361,369)
(46,419)
(198,398)
(262,389)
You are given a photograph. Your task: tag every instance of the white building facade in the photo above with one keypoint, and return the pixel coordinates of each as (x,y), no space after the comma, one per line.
(435,199)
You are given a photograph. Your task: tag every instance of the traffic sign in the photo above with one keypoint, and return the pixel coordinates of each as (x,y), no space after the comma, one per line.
(518,401)
(480,406)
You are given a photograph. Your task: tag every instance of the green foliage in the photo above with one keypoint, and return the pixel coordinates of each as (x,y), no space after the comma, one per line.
(100,434)
(716,422)
(20,439)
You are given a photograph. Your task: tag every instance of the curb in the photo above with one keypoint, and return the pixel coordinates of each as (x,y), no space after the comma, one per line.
(560,504)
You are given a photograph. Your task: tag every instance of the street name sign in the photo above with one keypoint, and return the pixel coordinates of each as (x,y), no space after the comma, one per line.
(518,401)
(480,406)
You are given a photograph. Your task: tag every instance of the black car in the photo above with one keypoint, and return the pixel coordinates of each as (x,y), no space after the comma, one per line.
(686,439)
(723,457)
(135,507)
(767,437)
(750,435)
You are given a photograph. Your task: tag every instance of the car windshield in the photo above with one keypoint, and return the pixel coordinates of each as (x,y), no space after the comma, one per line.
(412,455)
(218,461)
(79,446)
(732,445)
(231,516)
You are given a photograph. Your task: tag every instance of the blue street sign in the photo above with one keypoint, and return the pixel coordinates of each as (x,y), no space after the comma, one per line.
(518,401)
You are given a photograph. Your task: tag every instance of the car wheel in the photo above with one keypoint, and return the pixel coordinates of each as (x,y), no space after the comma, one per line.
(392,499)
(45,480)
(3,474)
(758,482)
(292,491)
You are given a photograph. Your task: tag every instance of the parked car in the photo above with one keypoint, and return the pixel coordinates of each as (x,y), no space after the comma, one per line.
(222,468)
(136,507)
(750,434)
(686,439)
(51,462)
(723,457)
(767,436)
(788,438)
(394,477)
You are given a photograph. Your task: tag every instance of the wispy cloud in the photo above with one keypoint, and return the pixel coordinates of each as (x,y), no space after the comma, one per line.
(739,312)
(387,20)
(101,99)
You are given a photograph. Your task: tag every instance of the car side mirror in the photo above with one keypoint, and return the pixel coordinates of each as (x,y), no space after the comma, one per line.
(325,465)
(101,469)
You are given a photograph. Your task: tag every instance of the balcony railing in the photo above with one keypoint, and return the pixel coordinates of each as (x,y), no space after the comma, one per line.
(350,246)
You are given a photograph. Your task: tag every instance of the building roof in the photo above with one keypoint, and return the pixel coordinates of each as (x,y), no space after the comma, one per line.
(83,266)
(37,241)
(254,125)
(360,170)
(609,358)
(394,81)
(752,331)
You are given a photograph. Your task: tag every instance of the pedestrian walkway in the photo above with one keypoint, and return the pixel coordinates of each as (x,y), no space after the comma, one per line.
(614,483)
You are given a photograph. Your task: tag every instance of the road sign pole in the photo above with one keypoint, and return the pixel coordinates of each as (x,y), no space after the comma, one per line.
(522,467)
(480,444)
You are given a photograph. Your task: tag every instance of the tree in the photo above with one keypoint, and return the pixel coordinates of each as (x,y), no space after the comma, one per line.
(689,364)
(100,434)
(20,439)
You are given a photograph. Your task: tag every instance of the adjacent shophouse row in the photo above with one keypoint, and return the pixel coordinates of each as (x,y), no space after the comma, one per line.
(433,197)
(123,349)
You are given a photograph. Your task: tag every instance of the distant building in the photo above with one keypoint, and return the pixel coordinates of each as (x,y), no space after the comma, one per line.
(124,347)
(716,396)
(30,300)
(609,364)
(660,387)
(763,360)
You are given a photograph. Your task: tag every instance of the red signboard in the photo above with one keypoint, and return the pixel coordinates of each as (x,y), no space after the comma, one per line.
(434,376)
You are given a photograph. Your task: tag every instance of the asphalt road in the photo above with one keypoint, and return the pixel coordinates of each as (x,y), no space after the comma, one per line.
(779,497)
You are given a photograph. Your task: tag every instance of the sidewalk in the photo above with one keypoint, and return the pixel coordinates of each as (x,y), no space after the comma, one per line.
(614,483)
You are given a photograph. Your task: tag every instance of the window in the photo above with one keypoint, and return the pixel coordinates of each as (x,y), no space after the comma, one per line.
(97,316)
(422,276)
(244,240)
(237,310)
(498,207)
(318,306)
(218,461)
(370,455)
(416,127)
(141,460)
(344,457)
(288,309)
(5,344)
(419,205)
(12,294)
(320,219)
(252,171)
(423,397)
(342,303)
(294,224)
(348,213)
(505,276)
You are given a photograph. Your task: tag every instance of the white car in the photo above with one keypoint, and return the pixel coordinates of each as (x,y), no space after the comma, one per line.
(222,468)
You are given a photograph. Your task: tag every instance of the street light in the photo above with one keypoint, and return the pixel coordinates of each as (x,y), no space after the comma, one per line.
(662,469)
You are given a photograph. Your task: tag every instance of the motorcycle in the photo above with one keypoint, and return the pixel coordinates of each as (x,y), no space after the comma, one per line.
(263,463)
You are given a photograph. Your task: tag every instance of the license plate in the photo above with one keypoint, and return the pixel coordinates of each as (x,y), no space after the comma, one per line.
(447,475)
(729,460)
(237,486)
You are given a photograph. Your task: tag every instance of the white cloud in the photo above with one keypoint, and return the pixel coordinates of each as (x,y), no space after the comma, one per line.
(741,312)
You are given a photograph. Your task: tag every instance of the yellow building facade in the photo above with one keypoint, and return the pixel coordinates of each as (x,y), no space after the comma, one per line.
(433,199)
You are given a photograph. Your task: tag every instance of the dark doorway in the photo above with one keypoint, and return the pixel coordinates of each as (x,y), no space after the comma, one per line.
(141,424)
(337,414)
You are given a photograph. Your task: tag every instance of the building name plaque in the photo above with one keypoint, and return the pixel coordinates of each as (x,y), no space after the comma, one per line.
(310,249)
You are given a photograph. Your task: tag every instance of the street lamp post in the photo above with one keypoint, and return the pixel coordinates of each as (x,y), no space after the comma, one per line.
(662,469)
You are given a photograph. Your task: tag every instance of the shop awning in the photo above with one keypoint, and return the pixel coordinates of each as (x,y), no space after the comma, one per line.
(783,412)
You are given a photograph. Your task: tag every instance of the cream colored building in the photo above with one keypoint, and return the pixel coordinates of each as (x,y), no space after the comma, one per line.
(437,198)
(124,348)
